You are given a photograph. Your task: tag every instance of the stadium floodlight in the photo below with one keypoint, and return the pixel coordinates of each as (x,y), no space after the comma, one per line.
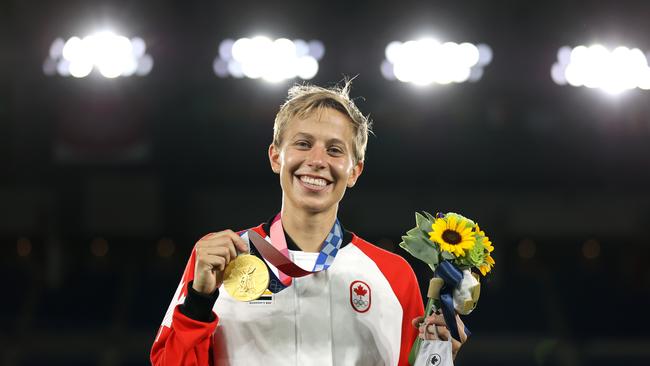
(427,61)
(110,54)
(613,71)
(270,60)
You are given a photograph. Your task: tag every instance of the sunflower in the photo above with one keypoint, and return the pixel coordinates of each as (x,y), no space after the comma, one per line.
(485,240)
(453,234)
(487,267)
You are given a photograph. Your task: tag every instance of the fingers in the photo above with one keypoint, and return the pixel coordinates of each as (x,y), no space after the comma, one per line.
(226,238)
(222,237)
(420,322)
(437,319)
(431,332)
(218,259)
(416,321)
(226,250)
(213,253)
(238,242)
(461,329)
(434,327)
(224,244)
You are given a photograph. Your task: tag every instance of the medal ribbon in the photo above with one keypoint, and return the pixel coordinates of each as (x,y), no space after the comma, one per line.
(277,252)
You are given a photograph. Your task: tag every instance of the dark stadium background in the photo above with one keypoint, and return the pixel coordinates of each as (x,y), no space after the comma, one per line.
(105,185)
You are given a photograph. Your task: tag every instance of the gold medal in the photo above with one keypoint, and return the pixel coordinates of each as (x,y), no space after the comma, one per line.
(246,278)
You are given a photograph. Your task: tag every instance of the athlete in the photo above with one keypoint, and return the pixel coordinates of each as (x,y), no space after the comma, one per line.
(362,304)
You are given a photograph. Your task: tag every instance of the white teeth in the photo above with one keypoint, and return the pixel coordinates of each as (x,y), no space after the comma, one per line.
(314,181)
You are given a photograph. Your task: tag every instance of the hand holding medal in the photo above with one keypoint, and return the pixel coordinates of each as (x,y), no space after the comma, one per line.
(244,276)
(213,253)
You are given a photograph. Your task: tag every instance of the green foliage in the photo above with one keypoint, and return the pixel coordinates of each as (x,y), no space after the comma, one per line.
(423,223)
(460,217)
(448,256)
(417,243)
(476,255)
(429,216)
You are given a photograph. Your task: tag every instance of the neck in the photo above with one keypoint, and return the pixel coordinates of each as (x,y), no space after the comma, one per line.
(308,230)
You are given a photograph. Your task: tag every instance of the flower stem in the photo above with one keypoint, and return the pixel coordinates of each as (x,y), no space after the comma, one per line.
(415,349)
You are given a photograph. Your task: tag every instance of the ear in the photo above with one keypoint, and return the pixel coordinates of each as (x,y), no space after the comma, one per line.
(274,158)
(356,172)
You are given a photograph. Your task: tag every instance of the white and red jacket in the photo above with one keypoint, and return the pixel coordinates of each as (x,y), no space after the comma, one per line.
(357,312)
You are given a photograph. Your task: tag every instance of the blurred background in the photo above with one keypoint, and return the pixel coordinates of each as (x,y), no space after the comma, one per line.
(119,150)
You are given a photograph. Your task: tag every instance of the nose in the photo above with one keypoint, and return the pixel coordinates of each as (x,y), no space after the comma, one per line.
(317,158)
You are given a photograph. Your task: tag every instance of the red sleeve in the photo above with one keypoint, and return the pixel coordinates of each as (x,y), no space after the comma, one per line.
(402,280)
(181,340)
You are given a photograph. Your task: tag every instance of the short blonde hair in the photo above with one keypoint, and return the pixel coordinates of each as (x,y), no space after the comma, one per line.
(303,100)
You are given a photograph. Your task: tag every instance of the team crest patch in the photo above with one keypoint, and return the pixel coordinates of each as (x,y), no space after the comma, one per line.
(360,296)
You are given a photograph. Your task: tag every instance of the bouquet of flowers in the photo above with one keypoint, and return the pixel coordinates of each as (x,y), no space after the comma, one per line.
(455,248)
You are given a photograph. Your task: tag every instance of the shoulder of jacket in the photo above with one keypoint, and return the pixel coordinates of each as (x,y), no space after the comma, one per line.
(378,254)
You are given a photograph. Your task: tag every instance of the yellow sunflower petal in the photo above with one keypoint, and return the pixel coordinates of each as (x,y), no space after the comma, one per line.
(466,233)
(435,227)
(446,247)
(483,270)
(466,225)
(451,224)
(462,224)
(439,225)
(436,235)
(467,244)
(456,252)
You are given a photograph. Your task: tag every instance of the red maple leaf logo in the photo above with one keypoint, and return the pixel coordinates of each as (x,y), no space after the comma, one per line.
(360,291)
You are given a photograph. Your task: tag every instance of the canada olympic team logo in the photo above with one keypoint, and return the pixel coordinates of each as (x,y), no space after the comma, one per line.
(360,298)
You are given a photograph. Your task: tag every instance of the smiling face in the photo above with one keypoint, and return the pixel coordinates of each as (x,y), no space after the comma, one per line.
(316,161)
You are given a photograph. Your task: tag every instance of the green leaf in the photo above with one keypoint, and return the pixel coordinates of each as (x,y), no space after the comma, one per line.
(464,262)
(414,232)
(429,216)
(422,222)
(447,255)
(421,249)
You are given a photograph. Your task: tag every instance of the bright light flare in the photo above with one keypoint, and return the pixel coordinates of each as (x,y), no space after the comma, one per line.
(270,60)
(427,61)
(111,54)
(613,71)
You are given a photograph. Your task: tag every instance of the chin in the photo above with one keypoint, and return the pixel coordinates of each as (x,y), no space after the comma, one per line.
(312,207)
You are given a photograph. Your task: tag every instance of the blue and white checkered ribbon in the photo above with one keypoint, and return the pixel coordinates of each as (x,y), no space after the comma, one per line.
(330,248)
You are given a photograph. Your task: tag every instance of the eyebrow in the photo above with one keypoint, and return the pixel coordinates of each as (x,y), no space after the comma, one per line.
(311,137)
